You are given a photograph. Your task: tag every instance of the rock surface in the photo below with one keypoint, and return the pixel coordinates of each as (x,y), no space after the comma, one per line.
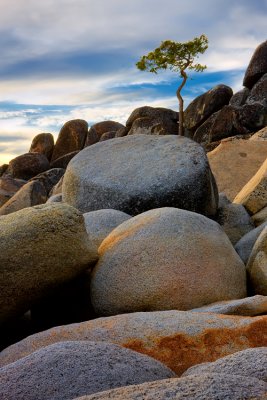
(196,387)
(260,217)
(135,273)
(244,246)
(71,138)
(244,157)
(70,369)
(43,144)
(101,222)
(62,162)
(28,165)
(178,339)
(99,129)
(249,306)
(257,264)
(249,363)
(253,195)
(8,187)
(49,178)
(257,66)
(31,194)
(141,172)
(40,247)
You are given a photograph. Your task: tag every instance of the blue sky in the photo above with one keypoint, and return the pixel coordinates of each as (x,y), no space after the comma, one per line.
(65,59)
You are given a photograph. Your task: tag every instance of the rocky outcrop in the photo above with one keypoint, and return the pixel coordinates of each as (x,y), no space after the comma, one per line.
(257,66)
(178,339)
(139,173)
(71,369)
(71,138)
(28,165)
(40,247)
(43,144)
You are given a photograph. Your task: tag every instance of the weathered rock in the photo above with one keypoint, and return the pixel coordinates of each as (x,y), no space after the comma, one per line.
(260,217)
(153,126)
(195,387)
(49,178)
(71,138)
(249,306)
(122,132)
(178,339)
(154,276)
(62,162)
(257,264)
(206,104)
(158,114)
(245,245)
(240,97)
(92,138)
(234,219)
(8,187)
(234,162)
(251,117)
(257,66)
(28,165)
(103,127)
(141,172)
(260,135)
(56,198)
(107,136)
(40,247)
(70,369)
(43,144)
(249,363)
(253,196)
(101,222)
(31,194)
(258,93)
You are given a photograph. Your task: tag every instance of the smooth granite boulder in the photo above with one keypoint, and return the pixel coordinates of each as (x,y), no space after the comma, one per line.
(40,247)
(179,339)
(195,387)
(141,172)
(165,259)
(69,369)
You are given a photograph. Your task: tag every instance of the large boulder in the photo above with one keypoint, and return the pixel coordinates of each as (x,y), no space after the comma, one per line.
(257,265)
(234,162)
(28,165)
(71,138)
(245,245)
(101,222)
(135,273)
(70,369)
(239,98)
(159,114)
(31,194)
(153,126)
(178,339)
(253,196)
(43,144)
(258,93)
(49,178)
(249,363)
(196,387)
(141,172)
(8,187)
(97,130)
(40,247)
(257,66)
(206,104)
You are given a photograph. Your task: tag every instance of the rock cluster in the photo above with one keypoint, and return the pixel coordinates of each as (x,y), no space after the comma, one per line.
(133,265)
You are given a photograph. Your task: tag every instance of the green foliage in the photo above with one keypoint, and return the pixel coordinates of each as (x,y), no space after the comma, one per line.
(175,56)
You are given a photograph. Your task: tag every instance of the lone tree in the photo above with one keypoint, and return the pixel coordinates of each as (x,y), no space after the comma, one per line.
(177,57)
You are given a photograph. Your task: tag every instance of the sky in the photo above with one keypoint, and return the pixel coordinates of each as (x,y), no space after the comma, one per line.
(67,59)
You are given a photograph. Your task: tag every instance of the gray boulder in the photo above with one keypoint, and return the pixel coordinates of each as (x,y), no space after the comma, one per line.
(147,264)
(101,222)
(141,172)
(257,66)
(31,194)
(245,245)
(249,363)
(195,387)
(70,369)
(40,247)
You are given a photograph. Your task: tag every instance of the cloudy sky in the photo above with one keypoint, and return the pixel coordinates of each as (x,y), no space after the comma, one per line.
(65,59)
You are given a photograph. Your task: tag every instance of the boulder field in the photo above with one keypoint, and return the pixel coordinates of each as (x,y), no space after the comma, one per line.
(133,261)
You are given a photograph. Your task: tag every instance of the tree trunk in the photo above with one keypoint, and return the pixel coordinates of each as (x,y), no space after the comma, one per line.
(181,104)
